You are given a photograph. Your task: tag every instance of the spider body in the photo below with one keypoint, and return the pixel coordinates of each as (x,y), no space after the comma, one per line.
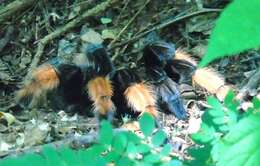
(167,92)
(91,79)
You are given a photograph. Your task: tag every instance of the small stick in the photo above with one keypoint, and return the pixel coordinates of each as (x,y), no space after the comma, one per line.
(73,23)
(165,24)
(127,25)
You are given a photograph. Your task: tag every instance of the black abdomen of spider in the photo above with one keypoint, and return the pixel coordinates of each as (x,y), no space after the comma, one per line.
(71,86)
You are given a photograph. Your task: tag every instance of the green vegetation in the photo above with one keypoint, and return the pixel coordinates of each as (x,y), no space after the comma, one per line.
(236,30)
(227,136)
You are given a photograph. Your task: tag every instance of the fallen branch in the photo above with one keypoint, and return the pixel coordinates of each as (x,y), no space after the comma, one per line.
(70,25)
(14,8)
(165,24)
(129,23)
(73,142)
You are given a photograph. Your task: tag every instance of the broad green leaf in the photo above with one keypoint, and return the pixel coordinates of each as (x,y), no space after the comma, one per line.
(212,101)
(52,157)
(147,124)
(204,135)
(97,149)
(243,142)
(105,20)
(152,158)
(112,156)
(230,102)
(229,97)
(69,156)
(256,103)
(119,142)
(105,133)
(124,161)
(132,137)
(131,148)
(158,138)
(173,163)
(143,148)
(237,30)
(108,34)
(142,163)
(200,156)
(166,150)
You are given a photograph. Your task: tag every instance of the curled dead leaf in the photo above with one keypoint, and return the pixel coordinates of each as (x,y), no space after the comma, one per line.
(9,118)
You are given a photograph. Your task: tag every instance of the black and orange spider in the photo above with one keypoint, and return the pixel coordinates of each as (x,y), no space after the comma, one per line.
(93,79)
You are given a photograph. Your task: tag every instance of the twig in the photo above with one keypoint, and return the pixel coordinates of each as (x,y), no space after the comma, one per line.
(14,8)
(74,141)
(165,24)
(73,23)
(127,25)
(6,37)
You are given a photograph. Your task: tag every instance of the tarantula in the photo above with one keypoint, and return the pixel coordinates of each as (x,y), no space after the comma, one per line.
(93,80)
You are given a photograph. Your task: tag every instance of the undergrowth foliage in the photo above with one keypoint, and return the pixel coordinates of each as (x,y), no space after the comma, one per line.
(227,136)
(236,30)
(120,148)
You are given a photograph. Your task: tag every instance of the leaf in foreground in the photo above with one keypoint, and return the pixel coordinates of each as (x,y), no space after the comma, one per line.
(241,146)
(237,30)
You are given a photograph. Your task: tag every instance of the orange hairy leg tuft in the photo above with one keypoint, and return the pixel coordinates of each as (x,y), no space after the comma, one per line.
(43,79)
(141,98)
(100,91)
(207,77)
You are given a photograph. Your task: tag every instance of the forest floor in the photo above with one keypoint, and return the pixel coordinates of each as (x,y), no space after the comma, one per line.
(42,30)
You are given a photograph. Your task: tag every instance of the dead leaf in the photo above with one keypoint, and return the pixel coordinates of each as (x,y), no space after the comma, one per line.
(8,117)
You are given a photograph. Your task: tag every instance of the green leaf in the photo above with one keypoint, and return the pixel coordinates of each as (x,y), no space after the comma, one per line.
(158,138)
(119,142)
(152,158)
(52,157)
(112,156)
(108,34)
(131,148)
(166,150)
(105,133)
(123,161)
(105,20)
(200,156)
(69,156)
(204,135)
(132,137)
(256,103)
(147,124)
(243,142)
(214,102)
(229,97)
(230,102)
(143,148)
(237,30)
(173,163)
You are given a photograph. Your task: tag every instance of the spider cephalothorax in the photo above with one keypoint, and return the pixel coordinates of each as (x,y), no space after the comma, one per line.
(158,53)
(155,56)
